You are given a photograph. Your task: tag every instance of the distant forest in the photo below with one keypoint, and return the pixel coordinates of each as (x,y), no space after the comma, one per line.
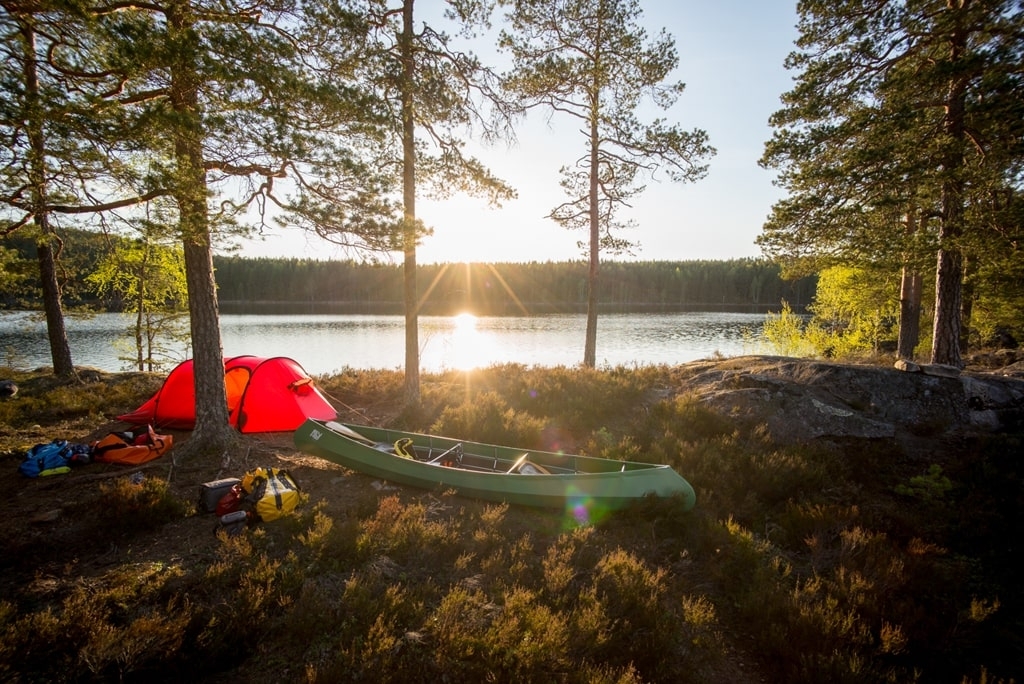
(265,285)
(289,285)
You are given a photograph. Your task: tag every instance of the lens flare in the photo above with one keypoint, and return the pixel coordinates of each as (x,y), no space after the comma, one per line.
(581,510)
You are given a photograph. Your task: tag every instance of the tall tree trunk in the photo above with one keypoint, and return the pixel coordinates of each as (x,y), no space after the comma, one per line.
(409,232)
(910,313)
(949,267)
(140,315)
(60,350)
(593,273)
(56,332)
(946,331)
(910,302)
(212,432)
(966,303)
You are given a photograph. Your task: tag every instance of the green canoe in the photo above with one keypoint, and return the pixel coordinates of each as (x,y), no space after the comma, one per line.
(581,484)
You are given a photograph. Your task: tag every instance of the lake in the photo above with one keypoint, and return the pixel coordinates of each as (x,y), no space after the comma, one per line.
(325,344)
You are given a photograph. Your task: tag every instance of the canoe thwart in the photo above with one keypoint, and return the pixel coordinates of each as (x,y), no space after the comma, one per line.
(452,456)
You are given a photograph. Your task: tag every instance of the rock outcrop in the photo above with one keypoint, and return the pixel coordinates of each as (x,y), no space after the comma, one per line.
(802,400)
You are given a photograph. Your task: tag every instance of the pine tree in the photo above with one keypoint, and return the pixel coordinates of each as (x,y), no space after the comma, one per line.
(435,92)
(590,60)
(897,124)
(34,149)
(238,105)
(64,159)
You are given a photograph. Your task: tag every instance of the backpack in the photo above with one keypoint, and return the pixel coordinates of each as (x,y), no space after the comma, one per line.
(54,458)
(128,448)
(269,492)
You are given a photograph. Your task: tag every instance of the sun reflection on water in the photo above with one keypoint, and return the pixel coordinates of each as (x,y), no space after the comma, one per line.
(468,348)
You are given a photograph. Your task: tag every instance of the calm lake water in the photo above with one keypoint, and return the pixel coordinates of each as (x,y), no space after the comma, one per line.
(324,344)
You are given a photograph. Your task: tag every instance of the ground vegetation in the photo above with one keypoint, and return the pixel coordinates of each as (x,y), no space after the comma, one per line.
(813,554)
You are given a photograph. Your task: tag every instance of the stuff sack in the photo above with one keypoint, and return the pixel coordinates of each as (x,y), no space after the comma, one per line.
(130,448)
(54,458)
(231,501)
(46,459)
(270,492)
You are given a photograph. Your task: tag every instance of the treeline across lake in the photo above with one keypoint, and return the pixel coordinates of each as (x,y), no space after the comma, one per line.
(290,285)
(265,285)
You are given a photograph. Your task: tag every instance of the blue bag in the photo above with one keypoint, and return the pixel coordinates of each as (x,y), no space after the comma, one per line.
(54,458)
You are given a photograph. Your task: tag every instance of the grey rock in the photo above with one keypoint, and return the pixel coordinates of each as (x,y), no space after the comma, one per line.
(799,400)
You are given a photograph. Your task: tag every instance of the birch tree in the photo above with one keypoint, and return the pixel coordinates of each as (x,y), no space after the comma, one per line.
(146,277)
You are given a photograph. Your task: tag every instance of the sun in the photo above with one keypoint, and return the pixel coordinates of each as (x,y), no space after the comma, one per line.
(465,322)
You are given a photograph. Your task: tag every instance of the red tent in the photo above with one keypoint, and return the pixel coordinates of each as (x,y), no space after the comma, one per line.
(264,395)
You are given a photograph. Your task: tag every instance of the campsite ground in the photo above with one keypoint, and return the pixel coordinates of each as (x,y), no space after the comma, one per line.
(850,560)
(57,520)
(75,529)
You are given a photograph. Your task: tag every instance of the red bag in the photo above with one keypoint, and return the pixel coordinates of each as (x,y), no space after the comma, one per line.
(230,502)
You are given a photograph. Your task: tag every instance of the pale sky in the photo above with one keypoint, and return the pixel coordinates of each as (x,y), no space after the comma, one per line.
(731,56)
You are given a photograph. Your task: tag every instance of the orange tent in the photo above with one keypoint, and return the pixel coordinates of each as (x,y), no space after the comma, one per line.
(264,395)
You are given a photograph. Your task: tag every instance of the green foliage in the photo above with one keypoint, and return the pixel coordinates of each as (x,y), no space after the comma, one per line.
(855,310)
(854,313)
(147,279)
(17,279)
(262,285)
(997,312)
(872,146)
(930,487)
(509,288)
(488,418)
(789,334)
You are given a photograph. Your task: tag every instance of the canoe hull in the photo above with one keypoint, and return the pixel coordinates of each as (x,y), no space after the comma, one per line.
(574,481)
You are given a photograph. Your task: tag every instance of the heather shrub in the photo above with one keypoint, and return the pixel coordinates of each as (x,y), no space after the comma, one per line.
(846,562)
(121,623)
(132,504)
(643,626)
(487,418)
(407,532)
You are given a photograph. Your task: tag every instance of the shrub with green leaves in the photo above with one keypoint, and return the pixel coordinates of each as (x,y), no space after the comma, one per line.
(488,418)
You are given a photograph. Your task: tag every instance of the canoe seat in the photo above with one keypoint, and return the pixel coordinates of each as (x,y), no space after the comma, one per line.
(531,468)
(524,466)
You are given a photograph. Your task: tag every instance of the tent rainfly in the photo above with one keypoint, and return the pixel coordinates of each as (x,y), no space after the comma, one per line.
(264,395)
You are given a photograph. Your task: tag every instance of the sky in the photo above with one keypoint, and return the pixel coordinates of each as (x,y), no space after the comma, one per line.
(731,55)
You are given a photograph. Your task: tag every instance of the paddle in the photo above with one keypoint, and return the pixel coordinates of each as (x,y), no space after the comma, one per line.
(350,433)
